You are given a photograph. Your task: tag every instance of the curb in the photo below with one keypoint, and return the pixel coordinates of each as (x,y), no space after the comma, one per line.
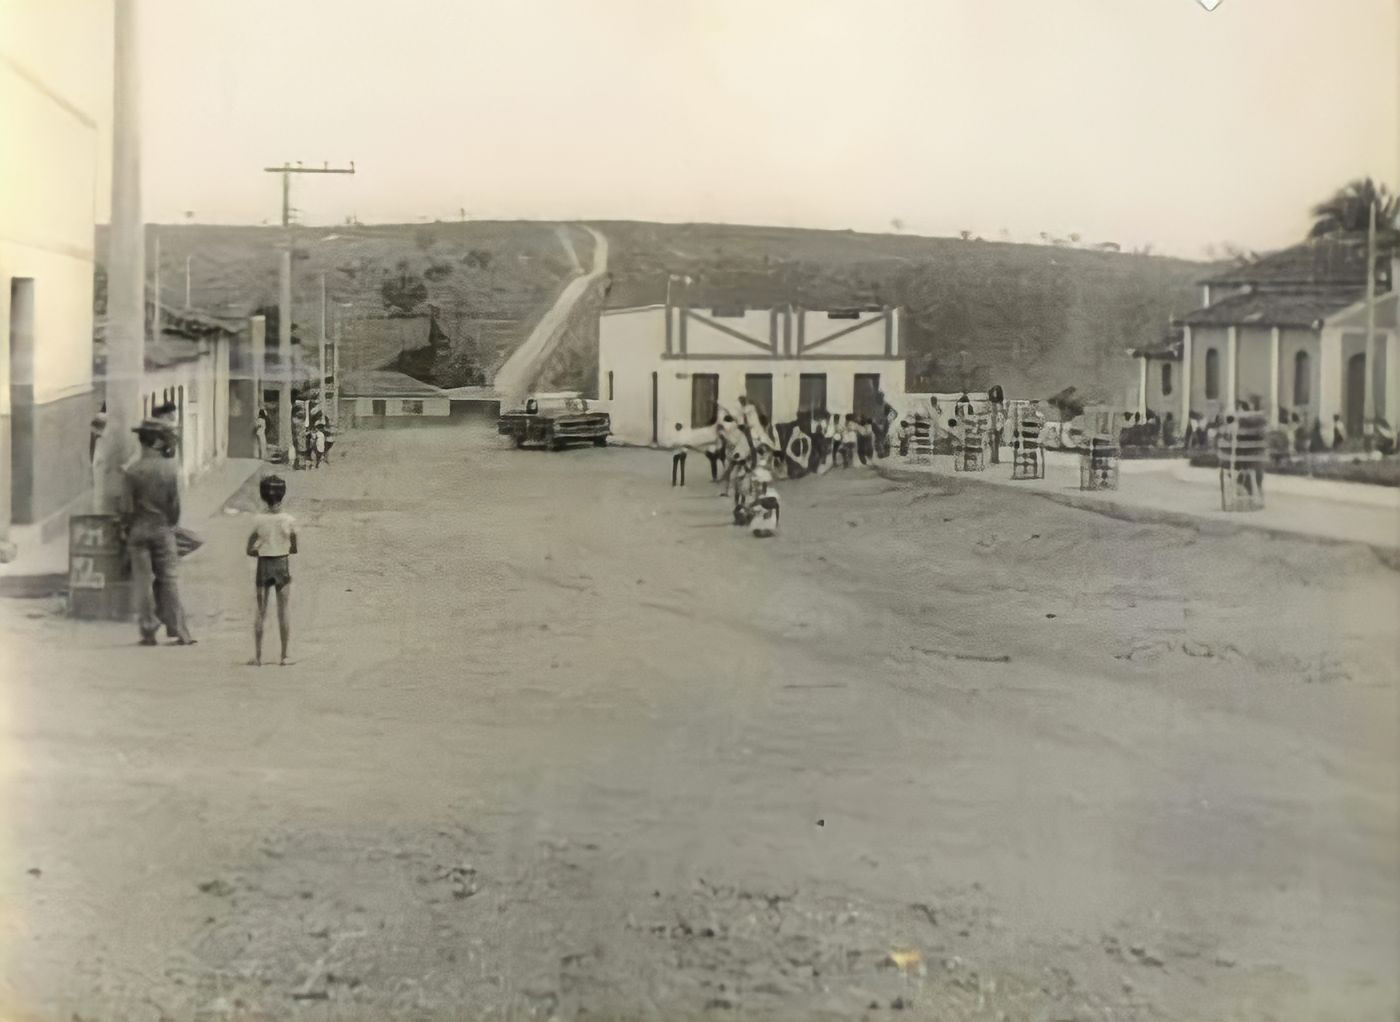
(1137,514)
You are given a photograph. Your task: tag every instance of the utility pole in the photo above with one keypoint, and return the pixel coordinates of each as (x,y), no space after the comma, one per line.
(155,288)
(284,314)
(187,281)
(126,266)
(1368,401)
(321,348)
(335,362)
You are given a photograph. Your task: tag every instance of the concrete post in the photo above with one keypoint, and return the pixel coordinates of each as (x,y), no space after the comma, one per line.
(157,328)
(1273,373)
(257,333)
(1368,399)
(1186,382)
(335,362)
(126,266)
(284,354)
(1329,379)
(321,352)
(1232,358)
(1142,387)
(1391,411)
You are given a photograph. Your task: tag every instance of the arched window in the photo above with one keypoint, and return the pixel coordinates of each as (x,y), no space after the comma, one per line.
(1302,379)
(1212,374)
(1166,379)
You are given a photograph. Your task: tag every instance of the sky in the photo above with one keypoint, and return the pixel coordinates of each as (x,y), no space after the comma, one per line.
(1133,121)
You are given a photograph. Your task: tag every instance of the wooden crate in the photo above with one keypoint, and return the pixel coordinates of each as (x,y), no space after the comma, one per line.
(1098,464)
(1243,451)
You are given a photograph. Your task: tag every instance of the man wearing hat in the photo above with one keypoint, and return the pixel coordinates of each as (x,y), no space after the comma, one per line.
(151,507)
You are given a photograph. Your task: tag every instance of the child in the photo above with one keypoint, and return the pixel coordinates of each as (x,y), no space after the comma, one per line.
(765,505)
(273,541)
(318,443)
(850,437)
(678,458)
(903,436)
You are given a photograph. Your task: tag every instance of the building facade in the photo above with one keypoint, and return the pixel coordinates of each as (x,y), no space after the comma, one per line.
(56,108)
(1286,334)
(379,398)
(659,365)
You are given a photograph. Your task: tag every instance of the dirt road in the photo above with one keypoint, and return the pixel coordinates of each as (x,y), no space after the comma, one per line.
(561,743)
(517,374)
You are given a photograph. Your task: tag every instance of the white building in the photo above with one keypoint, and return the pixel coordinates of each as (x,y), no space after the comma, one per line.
(659,365)
(1286,334)
(56,110)
(376,398)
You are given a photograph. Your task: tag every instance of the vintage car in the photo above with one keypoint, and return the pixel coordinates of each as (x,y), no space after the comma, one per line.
(555,420)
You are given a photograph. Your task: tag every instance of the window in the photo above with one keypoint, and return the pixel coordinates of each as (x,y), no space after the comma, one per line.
(1302,380)
(1212,374)
(811,392)
(376,407)
(610,384)
(843,314)
(704,399)
(1166,379)
(728,312)
(758,388)
(411,407)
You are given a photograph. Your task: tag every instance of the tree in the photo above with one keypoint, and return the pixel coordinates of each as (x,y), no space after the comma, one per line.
(1349,209)
(403,292)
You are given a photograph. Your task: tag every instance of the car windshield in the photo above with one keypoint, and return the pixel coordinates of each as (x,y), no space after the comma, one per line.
(557,404)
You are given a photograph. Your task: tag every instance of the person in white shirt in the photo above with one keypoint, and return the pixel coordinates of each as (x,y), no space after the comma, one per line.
(685,440)
(273,542)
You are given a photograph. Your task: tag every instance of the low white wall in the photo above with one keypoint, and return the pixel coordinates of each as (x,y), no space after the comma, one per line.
(394,406)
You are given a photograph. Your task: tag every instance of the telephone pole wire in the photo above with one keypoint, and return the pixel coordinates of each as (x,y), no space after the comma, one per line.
(284,315)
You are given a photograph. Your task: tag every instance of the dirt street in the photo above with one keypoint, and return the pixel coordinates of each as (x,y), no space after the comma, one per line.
(562,743)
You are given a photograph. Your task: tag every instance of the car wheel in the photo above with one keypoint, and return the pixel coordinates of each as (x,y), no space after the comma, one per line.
(600,441)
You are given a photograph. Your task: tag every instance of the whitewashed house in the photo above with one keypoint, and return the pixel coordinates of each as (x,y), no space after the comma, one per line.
(55,146)
(1286,333)
(376,398)
(681,362)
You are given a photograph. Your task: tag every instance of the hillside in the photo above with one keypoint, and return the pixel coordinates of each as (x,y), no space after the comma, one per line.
(1033,318)
(490,280)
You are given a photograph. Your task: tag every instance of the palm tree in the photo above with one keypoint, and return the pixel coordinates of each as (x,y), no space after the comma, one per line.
(1348,209)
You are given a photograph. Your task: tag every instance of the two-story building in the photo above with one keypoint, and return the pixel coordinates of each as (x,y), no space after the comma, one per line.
(1285,333)
(56,109)
(683,360)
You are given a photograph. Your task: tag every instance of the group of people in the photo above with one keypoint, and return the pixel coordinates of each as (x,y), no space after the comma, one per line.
(150,511)
(1292,435)
(311,437)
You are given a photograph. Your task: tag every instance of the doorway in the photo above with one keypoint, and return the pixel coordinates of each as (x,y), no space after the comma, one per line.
(1355,401)
(811,393)
(21,442)
(867,396)
(758,388)
(655,409)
